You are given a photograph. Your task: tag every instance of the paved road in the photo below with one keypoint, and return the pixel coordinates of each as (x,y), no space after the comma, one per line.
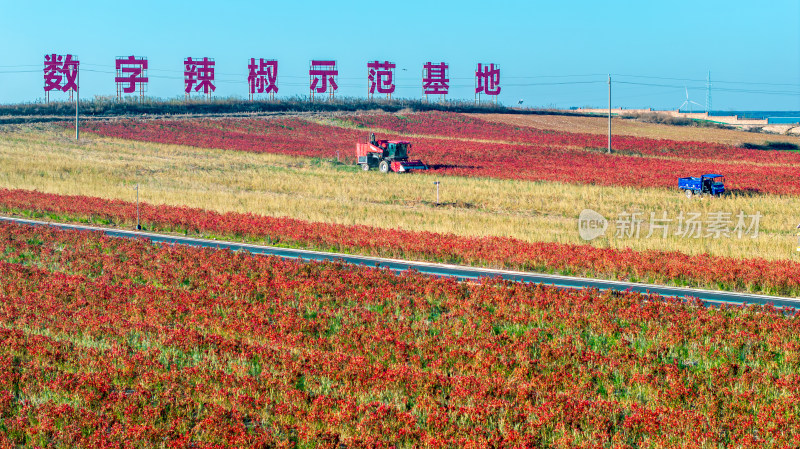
(436,269)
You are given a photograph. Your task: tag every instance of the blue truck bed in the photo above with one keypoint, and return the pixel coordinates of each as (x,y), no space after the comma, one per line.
(691,183)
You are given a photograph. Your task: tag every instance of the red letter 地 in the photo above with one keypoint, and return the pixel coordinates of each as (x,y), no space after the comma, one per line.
(381,78)
(131,74)
(487,80)
(262,77)
(322,76)
(435,80)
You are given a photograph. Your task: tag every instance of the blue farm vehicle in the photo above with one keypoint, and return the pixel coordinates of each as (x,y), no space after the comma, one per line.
(709,184)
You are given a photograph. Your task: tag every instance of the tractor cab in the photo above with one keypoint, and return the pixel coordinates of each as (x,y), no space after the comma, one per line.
(395,149)
(392,149)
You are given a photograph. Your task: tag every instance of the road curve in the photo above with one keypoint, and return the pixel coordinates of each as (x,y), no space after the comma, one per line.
(436,269)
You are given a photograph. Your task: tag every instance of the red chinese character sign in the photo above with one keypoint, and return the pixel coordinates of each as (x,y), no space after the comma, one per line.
(322,78)
(487,81)
(435,79)
(131,75)
(60,74)
(198,74)
(262,77)
(380,78)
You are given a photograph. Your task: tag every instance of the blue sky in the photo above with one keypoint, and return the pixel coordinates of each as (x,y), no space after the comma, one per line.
(550,53)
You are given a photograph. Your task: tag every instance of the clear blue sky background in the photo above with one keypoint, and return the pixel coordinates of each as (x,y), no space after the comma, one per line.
(536,44)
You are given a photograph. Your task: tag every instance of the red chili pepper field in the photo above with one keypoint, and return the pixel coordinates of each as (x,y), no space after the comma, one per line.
(104,343)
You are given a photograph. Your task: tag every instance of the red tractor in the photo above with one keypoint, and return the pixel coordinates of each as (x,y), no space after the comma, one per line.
(387,155)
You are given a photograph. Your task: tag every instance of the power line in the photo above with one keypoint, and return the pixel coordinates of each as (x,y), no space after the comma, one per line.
(763,84)
(536,76)
(752,91)
(657,78)
(703,81)
(655,85)
(555,83)
(718,89)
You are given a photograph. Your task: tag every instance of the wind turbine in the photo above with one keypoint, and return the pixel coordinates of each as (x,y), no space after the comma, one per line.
(688,102)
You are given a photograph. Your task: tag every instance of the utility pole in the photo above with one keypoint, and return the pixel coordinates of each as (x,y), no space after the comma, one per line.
(609,113)
(77,101)
(708,93)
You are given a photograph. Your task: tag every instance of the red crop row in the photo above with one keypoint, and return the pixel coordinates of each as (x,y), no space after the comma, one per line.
(534,162)
(290,136)
(467,126)
(111,346)
(546,163)
(776,277)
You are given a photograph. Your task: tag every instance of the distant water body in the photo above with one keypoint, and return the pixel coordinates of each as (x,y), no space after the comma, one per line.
(771,116)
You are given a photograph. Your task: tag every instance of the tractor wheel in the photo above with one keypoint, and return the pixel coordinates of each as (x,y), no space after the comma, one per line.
(688,193)
(383,167)
(365,167)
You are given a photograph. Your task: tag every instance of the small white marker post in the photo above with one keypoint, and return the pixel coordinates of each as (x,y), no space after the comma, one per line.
(437,192)
(798,240)
(138,226)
